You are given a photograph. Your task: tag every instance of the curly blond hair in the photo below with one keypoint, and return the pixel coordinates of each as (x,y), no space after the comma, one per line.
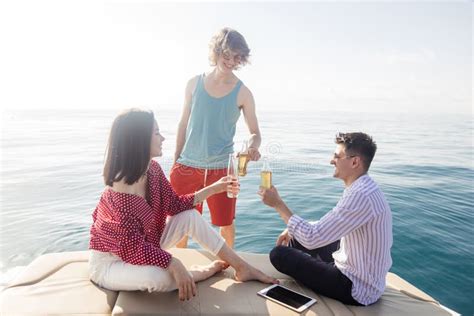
(228,40)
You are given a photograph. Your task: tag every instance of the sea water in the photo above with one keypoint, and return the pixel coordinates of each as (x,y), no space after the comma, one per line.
(51,166)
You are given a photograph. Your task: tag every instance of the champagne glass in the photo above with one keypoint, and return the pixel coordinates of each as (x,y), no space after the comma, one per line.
(233,174)
(266,175)
(243,159)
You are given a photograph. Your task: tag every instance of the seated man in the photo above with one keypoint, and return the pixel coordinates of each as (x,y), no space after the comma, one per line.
(346,254)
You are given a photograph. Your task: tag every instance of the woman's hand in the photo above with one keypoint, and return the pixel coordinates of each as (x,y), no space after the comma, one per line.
(284,238)
(222,185)
(184,280)
(225,184)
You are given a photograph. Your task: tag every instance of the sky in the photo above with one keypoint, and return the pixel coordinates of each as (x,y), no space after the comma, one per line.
(345,56)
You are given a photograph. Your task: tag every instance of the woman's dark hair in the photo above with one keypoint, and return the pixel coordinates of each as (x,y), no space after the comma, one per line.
(128,149)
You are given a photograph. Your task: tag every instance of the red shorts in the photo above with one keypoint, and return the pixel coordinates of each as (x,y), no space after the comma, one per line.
(185,180)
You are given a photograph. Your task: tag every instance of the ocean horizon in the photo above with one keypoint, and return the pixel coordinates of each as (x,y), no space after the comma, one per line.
(51,166)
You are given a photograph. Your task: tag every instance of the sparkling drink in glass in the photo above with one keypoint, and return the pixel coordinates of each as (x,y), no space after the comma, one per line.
(233,173)
(266,175)
(243,160)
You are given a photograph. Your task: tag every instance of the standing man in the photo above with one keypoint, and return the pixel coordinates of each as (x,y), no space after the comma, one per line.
(212,106)
(346,254)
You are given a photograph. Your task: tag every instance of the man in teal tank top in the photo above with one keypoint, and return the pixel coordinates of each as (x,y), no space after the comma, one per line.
(212,106)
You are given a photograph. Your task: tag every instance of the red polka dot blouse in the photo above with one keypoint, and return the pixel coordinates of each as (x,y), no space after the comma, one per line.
(130,227)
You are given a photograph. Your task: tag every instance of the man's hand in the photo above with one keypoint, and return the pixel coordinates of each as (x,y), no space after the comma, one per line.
(184,280)
(284,238)
(254,154)
(270,197)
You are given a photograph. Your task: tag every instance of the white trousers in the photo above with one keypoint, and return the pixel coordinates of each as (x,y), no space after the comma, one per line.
(109,271)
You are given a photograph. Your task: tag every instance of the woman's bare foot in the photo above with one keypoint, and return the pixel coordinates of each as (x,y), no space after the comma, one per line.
(243,270)
(248,273)
(203,272)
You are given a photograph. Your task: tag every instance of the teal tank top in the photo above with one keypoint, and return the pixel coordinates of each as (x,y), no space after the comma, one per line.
(211,128)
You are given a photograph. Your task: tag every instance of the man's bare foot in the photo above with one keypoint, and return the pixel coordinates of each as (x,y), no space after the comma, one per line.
(248,273)
(203,272)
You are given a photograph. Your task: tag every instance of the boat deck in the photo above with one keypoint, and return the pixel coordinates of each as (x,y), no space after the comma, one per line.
(58,283)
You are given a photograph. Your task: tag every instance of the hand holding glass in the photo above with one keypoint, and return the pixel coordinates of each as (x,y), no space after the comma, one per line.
(243,159)
(266,175)
(233,174)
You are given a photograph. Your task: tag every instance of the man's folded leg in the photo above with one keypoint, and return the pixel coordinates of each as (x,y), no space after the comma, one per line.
(320,276)
(325,253)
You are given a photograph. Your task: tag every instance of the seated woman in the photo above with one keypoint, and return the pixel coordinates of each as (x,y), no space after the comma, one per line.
(139,216)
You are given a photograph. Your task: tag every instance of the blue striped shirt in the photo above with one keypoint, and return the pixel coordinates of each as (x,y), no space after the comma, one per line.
(362,220)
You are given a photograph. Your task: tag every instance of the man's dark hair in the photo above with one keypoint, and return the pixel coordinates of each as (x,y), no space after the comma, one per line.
(358,144)
(128,150)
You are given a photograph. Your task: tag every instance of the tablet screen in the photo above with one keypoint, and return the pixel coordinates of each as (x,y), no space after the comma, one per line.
(288,297)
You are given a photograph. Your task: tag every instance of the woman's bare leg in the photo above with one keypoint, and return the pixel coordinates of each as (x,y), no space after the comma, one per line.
(191,223)
(243,270)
